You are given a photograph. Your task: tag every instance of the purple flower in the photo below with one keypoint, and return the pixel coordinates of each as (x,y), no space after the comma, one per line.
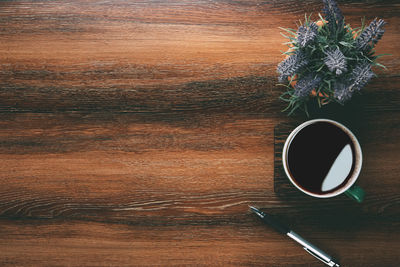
(333,14)
(371,35)
(306,84)
(291,65)
(359,77)
(342,94)
(306,35)
(336,61)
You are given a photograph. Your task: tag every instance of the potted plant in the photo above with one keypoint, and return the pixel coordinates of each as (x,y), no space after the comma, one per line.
(327,60)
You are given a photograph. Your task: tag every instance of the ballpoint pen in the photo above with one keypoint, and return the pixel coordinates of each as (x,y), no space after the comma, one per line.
(310,248)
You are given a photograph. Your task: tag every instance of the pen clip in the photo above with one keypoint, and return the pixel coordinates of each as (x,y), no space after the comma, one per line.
(315,255)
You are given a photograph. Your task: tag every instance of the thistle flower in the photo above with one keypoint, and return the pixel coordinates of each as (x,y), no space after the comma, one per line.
(306,84)
(333,14)
(291,65)
(306,34)
(372,34)
(336,61)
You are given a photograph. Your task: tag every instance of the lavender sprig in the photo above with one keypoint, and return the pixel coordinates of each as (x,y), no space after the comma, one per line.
(333,15)
(291,65)
(371,35)
(342,94)
(306,34)
(336,61)
(359,77)
(306,84)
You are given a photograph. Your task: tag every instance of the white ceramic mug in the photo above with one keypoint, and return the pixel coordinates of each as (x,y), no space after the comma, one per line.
(350,189)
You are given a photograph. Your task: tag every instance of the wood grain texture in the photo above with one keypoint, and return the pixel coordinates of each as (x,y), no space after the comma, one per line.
(135,133)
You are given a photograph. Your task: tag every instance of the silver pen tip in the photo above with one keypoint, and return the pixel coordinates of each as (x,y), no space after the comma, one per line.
(253,208)
(256,211)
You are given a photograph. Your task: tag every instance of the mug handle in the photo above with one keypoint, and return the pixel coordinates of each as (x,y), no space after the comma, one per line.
(356,193)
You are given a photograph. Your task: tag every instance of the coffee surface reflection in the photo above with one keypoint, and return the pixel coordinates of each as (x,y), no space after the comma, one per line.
(321,158)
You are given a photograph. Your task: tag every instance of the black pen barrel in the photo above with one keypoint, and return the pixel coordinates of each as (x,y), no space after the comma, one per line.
(277,225)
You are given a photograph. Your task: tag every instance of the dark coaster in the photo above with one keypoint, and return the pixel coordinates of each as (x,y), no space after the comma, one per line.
(282,185)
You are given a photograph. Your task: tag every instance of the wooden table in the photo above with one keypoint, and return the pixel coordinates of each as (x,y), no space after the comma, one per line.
(135,133)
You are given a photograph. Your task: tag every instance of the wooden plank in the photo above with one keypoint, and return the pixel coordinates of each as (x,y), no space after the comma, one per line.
(147,57)
(106,166)
(238,95)
(70,243)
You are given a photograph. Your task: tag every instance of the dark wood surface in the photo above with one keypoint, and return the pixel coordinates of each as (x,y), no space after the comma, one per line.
(135,133)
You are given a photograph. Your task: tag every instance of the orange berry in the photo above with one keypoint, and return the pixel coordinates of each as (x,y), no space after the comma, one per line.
(352,32)
(289,50)
(314,93)
(321,23)
(325,101)
(294,81)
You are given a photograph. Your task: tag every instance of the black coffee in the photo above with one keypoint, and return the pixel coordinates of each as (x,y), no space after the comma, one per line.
(321,158)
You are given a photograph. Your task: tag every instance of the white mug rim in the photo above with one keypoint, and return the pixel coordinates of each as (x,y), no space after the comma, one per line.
(357,167)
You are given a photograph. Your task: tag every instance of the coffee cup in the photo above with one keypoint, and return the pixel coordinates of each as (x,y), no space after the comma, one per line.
(323,158)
